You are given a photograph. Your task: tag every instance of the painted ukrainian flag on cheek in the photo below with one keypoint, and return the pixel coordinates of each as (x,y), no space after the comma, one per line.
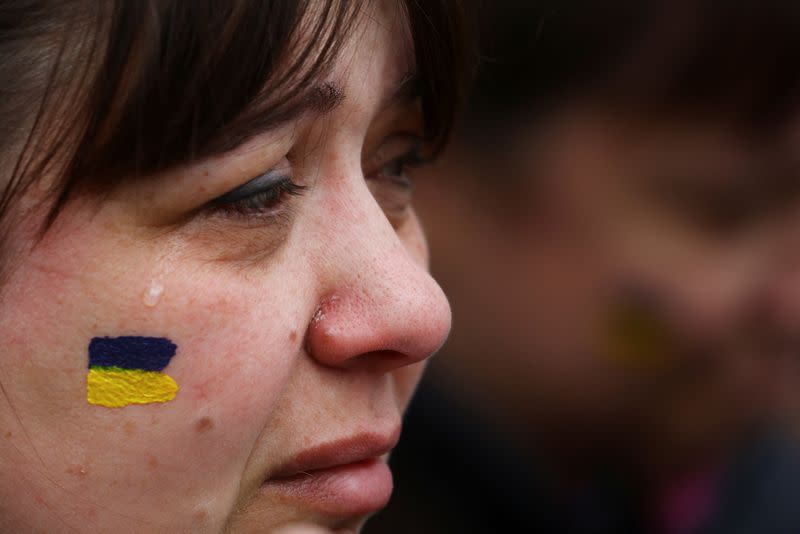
(128,370)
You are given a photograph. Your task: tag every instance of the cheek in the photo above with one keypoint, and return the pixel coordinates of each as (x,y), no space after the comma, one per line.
(237,340)
(406,380)
(237,355)
(224,325)
(232,365)
(231,353)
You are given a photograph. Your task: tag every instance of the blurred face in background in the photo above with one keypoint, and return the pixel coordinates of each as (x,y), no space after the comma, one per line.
(641,276)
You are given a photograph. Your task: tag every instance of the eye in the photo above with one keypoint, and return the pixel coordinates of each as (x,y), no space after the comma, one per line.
(397,167)
(261,196)
(387,175)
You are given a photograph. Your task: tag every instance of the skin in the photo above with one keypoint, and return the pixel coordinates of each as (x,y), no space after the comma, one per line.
(595,220)
(295,328)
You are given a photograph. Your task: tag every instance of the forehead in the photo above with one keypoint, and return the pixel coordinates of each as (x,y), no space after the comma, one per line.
(377,55)
(374,66)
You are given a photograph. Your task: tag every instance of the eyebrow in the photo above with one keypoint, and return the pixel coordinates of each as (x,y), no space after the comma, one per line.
(321,99)
(324,98)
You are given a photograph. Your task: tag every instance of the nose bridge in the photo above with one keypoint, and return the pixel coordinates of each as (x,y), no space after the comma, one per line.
(379,307)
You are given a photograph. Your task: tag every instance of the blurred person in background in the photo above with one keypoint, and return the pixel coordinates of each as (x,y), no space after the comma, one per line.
(618,230)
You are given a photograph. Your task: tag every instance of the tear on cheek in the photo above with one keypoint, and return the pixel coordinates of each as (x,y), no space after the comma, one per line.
(129,370)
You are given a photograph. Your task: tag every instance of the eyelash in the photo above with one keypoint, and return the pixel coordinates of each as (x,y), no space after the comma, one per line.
(265,202)
(411,159)
(262,203)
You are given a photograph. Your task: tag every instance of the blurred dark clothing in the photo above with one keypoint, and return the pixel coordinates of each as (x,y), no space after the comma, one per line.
(453,473)
(762,492)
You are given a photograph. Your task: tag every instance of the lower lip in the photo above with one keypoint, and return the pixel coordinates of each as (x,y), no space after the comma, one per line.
(351,489)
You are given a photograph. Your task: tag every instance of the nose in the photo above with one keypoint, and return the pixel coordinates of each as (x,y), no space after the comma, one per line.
(381,310)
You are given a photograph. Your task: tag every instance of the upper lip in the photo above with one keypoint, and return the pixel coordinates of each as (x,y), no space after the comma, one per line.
(347,450)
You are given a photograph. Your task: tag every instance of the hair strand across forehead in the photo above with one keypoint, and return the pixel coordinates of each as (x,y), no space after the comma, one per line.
(165,82)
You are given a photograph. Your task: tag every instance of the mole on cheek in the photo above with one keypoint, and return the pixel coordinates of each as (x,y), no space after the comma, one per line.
(204,424)
(152,462)
(200,517)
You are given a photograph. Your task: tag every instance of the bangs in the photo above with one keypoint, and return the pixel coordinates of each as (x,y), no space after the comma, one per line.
(185,79)
(444,59)
(155,84)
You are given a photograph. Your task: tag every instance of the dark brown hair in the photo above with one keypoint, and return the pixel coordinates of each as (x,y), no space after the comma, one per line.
(96,90)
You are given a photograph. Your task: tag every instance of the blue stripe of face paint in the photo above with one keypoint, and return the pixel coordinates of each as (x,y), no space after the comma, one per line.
(131,352)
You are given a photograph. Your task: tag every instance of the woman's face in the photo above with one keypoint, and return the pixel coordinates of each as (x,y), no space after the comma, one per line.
(301,318)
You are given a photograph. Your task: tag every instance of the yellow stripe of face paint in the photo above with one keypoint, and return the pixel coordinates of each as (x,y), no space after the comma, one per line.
(115,388)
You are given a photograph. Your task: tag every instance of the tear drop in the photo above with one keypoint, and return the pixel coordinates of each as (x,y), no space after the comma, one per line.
(153,294)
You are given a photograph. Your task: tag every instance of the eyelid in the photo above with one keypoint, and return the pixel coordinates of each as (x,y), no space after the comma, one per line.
(406,147)
(258,184)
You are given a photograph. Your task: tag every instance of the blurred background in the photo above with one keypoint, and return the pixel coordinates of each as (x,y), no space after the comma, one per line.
(617,226)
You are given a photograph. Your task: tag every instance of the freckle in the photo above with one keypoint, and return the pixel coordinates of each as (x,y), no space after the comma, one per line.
(152,462)
(77,470)
(205,173)
(8,435)
(200,516)
(293,335)
(204,424)
(129,428)
(153,420)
